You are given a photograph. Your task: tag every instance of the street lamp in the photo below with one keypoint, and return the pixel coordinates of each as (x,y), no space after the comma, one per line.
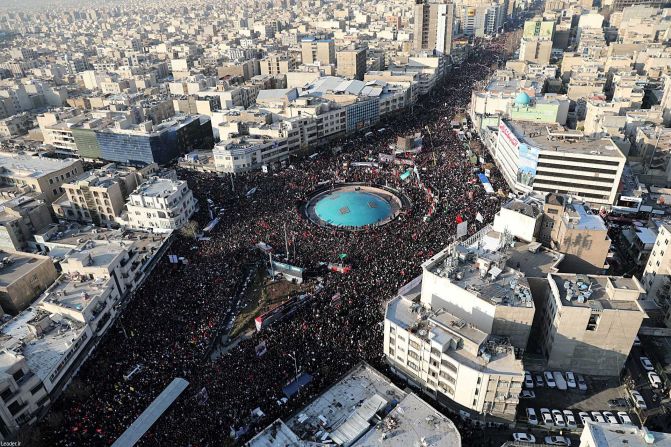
(295,363)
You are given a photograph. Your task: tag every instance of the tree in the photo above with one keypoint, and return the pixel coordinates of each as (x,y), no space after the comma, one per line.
(190,229)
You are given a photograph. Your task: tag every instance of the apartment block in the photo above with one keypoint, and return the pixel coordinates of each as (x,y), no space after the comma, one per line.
(161,205)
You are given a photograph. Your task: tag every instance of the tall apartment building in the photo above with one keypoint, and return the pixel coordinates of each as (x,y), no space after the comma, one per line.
(540,158)
(161,205)
(457,330)
(98,196)
(23,277)
(22,215)
(537,51)
(38,174)
(318,50)
(572,229)
(656,277)
(588,323)
(434,26)
(352,63)
(275,64)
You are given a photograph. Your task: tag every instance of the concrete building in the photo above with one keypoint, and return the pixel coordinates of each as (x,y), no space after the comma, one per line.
(38,174)
(22,215)
(352,63)
(275,64)
(457,330)
(521,218)
(161,205)
(99,196)
(23,277)
(597,434)
(318,50)
(540,158)
(364,409)
(569,227)
(588,323)
(434,27)
(656,277)
(538,51)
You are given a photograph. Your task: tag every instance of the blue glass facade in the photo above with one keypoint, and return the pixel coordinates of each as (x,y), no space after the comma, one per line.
(363,114)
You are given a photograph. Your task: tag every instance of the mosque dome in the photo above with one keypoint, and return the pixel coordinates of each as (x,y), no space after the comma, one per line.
(522,99)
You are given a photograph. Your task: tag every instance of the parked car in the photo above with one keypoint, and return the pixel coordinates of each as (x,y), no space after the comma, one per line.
(610,417)
(624,418)
(549,379)
(524,437)
(598,417)
(547,416)
(570,419)
(647,364)
(559,380)
(527,394)
(637,341)
(570,380)
(638,400)
(584,417)
(559,418)
(528,381)
(539,380)
(531,416)
(582,384)
(619,402)
(557,440)
(654,379)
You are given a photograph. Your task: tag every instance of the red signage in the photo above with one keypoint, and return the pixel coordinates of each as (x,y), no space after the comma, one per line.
(508,135)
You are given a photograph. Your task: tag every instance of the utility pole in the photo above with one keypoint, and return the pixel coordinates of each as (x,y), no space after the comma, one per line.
(286,242)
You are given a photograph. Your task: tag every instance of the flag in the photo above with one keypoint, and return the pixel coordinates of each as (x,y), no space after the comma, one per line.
(459,219)
(342,255)
(479,218)
(202,396)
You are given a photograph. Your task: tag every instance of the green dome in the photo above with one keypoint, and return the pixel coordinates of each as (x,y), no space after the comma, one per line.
(522,99)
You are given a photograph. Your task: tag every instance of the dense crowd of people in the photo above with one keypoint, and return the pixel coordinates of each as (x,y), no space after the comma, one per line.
(169,326)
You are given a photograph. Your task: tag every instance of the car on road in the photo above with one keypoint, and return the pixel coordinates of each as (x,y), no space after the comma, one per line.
(526,394)
(654,379)
(570,380)
(549,379)
(539,380)
(547,416)
(531,416)
(582,384)
(619,402)
(584,417)
(528,381)
(638,400)
(647,364)
(598,417)
(559,418)
(557,440)
(570,419)
(624,418)
(524,437)
(610,417)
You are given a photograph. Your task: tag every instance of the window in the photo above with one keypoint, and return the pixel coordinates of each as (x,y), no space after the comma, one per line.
(15,407)
(414,344)
(36,389)
(18,374)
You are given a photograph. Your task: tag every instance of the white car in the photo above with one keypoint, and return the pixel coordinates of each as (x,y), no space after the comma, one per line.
(647,364)
(539,380)
(624,418)
(528,381)
(570,380)
(637,341)
(559,418)
(550,380)
(654,379)
(526,394)
(610,417)
(531,416)
(638,400)
(598,417)
(582,385)
(547,416)
(570,419)
(584,417)
(557,440)
(524,437)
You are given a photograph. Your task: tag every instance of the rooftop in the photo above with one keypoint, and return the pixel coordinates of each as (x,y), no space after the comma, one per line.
(23,166)
(75,292)
(597,292)
(579,217)
(14,266)
(606,435)
(556,138)
(158,187)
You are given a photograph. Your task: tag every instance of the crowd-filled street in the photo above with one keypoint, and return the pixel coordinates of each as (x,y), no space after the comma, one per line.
(172,320)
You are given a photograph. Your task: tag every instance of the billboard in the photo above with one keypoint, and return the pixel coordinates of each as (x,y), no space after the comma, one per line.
(528,162)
